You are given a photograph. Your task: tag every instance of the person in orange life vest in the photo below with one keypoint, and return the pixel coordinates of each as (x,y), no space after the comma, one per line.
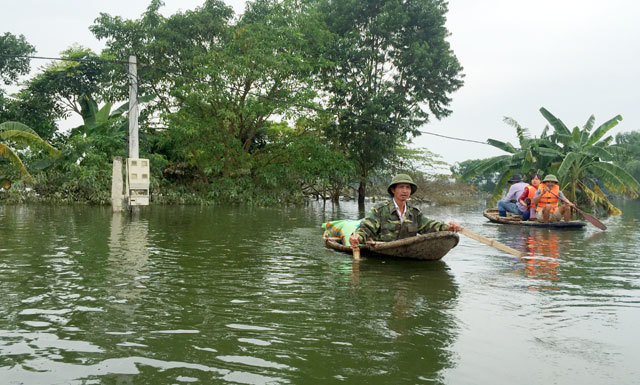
(510,201)
(526,199)
(546,201)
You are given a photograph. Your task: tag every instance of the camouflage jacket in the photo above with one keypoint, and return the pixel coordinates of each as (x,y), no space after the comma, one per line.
(382,223)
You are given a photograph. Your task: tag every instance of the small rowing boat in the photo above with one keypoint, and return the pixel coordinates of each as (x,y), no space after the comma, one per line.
(428,247)
(492,215)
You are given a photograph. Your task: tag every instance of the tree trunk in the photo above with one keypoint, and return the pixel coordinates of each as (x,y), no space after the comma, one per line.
(335,195)
(361,193)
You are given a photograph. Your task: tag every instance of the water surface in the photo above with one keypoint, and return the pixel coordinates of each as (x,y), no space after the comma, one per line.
(251,296)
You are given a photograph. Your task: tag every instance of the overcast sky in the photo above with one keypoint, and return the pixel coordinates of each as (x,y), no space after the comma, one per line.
(576,58)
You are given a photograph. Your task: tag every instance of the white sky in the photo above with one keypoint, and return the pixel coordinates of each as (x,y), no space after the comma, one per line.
(576,58)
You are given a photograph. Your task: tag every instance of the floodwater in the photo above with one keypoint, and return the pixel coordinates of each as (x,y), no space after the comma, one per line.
(242,295)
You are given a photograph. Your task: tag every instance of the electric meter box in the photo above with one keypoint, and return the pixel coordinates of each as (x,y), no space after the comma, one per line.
(138,174)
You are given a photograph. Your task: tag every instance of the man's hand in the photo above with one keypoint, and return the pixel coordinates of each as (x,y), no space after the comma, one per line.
(454,226)
(354,240)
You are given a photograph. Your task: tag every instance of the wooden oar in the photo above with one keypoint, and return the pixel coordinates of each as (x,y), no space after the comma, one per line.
(356,253)
(356,250)
(594,221)
(491,242)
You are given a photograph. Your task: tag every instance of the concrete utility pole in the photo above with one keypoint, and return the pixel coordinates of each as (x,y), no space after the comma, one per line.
(137,170)
(117,198)
(133,108)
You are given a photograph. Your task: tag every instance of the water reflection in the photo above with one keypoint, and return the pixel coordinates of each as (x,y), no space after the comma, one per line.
(128,254)
(541,256)
(402,315)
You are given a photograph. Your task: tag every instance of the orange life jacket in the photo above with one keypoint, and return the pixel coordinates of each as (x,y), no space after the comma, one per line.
(548,199)
(531,191)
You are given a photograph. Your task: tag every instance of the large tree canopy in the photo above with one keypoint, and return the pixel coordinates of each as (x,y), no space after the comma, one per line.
(217,83)
(393,69)
(290,98)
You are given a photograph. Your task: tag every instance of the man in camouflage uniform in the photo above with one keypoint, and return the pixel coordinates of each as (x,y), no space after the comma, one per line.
(396,219)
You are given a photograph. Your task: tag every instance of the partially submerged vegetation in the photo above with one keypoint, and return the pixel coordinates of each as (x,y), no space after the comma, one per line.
(287,101)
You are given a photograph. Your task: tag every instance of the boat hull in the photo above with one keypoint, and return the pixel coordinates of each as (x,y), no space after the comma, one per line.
(426,247)
(492,215)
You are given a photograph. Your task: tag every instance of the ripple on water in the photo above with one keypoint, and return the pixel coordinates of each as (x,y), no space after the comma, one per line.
(249,327)
(253,361)
(254,341)
(189,294)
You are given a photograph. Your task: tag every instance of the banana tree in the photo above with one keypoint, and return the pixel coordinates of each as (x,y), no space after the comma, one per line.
(534,155)
(630,159)
(17,134)
(103,131)
(587,162)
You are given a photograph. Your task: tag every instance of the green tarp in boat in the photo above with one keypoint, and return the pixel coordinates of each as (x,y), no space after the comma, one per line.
(342,229)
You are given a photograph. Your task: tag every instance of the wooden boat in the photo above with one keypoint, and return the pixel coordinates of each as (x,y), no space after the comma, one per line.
(429,247)
(510,219)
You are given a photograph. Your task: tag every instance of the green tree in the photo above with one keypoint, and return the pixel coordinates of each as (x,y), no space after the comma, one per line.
(535,155)
(219,82)
(81,73)
(486,181)
(299,161)
(13,62)
(391,66)
(630,159)
(55,92)
(34,110)
(14,135)
(84,171)
(587,162)
(581,158)
(169,51)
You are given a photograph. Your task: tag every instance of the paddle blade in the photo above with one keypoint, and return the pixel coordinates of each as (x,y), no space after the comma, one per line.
(594,221)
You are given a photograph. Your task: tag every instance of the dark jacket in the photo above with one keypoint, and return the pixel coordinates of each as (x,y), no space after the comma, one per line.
(382,223)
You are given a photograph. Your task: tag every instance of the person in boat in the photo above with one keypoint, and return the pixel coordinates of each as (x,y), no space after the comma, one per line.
(397,218)
(510,201)
(526,199)
(546,201)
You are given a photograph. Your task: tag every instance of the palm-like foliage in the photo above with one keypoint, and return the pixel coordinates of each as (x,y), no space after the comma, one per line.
(582,158)
(14,134)
(533,156)
(630,159)
(587,163)
(102,133)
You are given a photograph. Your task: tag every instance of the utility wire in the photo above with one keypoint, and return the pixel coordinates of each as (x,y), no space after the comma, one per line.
(66,59)
(454,138)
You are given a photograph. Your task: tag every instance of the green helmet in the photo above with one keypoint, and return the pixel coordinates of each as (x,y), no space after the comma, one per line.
(550,178)
(402,178)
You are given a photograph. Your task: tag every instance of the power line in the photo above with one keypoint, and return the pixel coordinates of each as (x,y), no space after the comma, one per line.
(454,138)
(66,59)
